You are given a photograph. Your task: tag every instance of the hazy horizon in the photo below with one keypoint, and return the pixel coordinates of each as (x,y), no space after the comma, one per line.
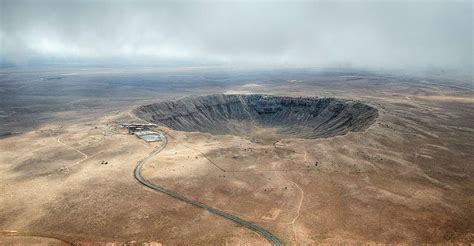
(360,34)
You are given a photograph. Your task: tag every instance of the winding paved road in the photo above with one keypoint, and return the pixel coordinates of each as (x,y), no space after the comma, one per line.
(269,236)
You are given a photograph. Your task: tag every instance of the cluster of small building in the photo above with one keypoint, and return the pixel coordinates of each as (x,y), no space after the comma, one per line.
(143,132)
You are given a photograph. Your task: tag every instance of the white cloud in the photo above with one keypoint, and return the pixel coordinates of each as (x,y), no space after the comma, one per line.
(361,33)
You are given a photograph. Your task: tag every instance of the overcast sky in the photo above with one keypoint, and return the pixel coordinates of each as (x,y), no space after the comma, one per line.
(378,34)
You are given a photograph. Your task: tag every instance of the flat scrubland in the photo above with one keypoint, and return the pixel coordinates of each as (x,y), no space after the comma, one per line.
(407,178)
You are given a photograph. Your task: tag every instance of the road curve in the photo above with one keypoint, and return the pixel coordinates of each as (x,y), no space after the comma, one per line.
(269,236)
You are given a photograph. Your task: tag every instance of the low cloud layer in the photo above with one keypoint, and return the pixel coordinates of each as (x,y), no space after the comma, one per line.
(372,34)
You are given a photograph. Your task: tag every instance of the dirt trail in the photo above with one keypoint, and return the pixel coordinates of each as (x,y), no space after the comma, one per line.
(73,148)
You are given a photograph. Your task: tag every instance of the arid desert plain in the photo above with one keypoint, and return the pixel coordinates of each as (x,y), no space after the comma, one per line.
(310,156)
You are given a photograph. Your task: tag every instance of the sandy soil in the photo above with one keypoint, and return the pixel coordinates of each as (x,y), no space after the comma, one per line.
(406,179)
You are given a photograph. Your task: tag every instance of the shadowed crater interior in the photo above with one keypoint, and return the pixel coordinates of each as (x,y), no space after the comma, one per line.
(249,115)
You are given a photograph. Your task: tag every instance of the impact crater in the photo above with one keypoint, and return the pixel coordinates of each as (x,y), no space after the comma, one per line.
(250,115)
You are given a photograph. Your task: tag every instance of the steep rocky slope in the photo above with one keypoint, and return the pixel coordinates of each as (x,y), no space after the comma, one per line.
(241,114)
